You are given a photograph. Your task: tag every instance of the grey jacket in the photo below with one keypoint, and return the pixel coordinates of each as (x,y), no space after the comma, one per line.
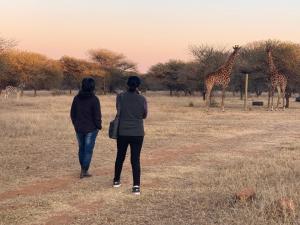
(133,109)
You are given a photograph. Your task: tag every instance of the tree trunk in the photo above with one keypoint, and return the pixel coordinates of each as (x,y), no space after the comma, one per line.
(70,91)
(35,92)
(171,92)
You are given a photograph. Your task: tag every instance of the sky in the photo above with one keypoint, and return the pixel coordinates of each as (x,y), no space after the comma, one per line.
(146,32)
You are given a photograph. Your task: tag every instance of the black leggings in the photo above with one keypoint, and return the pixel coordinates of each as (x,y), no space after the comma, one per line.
(136,143)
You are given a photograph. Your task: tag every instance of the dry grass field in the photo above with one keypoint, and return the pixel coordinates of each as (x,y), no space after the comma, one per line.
(193,163)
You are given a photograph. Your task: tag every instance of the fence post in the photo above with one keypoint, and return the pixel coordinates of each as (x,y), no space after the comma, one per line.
(246,92)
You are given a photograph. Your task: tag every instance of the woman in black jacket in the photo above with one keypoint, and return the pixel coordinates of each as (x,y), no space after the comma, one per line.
(133,109)
(86,119)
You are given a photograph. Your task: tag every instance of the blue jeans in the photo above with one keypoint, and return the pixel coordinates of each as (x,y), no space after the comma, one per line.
(86,143)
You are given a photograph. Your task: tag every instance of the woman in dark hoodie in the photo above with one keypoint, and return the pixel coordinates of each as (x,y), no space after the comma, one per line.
(86,119)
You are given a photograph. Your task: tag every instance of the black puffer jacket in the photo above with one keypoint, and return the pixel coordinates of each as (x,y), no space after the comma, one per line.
(86,112)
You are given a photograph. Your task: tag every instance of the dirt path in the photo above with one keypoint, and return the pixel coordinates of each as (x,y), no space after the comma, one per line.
(166,156)
(57,184)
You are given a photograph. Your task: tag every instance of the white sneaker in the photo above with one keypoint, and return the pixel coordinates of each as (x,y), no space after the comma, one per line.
(136,190)
(116,184)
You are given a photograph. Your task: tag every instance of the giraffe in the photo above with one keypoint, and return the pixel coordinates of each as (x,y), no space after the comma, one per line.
(277,79)
(9,90)
(221,77)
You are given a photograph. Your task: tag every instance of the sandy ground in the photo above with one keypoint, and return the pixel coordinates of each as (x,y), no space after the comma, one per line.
(193,162)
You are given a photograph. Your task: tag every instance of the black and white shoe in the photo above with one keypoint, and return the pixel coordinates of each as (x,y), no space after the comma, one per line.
(86,174)
(81,174)
(136,190)
(116,184)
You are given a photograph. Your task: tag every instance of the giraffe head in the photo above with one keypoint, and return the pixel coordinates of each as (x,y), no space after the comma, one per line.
(236,48)
(268,48)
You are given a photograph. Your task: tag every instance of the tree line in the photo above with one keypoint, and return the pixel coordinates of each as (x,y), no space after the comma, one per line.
(36,71)
(176,75)
(111,69)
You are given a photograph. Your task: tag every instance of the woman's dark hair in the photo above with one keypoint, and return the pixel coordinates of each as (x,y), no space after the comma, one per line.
(133,83)
(88,84)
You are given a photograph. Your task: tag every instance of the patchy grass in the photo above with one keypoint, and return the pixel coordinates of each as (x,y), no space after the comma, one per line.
(193,162)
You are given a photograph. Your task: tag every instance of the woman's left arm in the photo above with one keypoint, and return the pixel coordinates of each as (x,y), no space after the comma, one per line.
(145,109)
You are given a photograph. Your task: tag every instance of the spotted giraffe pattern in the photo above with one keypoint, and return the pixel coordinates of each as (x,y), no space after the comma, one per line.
(278,80)
(221,77)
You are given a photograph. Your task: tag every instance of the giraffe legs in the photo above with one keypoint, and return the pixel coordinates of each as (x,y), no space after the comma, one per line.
(279,96)
(223,97)
(269,97)
(272,95)
(283,99)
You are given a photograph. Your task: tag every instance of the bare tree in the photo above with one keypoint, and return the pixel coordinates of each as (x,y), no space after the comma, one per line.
(6,44)
(209,59)
(114,64)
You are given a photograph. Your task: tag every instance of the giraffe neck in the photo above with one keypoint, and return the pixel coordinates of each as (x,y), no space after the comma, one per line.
(229,63)
(271,64)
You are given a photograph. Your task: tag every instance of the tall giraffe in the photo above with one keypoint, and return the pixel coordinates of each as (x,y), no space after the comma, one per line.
(221,77)
(277,79)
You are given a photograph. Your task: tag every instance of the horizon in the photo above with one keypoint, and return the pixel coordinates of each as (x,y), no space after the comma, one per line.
(145,32)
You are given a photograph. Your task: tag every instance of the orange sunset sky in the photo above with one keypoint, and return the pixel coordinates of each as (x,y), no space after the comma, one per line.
(147,32)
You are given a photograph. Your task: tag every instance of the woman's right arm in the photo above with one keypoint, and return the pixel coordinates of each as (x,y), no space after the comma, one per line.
(118,102)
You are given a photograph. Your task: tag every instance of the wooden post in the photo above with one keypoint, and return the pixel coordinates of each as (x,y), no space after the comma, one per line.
(246,92)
